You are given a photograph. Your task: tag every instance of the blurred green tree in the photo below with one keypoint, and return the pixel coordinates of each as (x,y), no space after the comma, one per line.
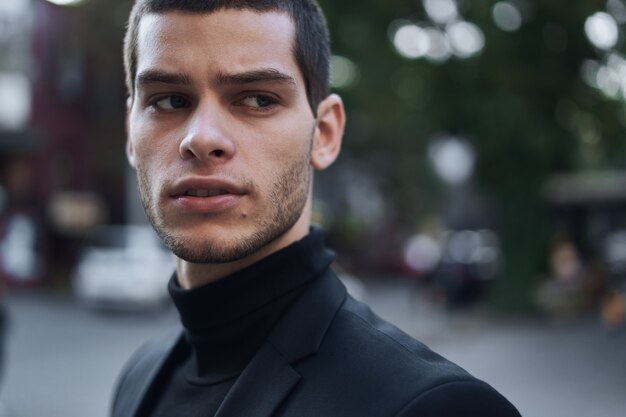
(521,102)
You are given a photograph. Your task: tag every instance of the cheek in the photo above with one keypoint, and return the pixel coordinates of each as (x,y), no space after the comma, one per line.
(287,140)
(277,154)
(151,164)
(153,148)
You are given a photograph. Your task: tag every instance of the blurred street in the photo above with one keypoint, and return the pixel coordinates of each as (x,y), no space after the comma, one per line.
(62,360)
(485,143)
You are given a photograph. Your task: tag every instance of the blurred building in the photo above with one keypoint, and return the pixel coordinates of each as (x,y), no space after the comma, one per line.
(589,249)
(15,84)
(61,135)
(17,144)
(589,207)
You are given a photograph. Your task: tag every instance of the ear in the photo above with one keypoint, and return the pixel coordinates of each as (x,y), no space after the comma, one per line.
(331,119)
(130,151)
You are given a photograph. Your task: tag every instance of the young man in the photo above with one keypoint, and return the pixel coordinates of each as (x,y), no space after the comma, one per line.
(229,114)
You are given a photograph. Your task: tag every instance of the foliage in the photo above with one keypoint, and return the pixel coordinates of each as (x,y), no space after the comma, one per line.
(521,102)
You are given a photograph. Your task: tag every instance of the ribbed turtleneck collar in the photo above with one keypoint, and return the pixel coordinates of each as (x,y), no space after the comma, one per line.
(227,320)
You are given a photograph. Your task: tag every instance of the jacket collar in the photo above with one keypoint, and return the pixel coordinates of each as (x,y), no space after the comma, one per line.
(269,377)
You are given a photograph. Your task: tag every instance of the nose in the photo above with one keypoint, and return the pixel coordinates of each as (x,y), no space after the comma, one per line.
(206,138)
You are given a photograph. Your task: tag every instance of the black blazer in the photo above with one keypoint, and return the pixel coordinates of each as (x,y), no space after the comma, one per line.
(329,356)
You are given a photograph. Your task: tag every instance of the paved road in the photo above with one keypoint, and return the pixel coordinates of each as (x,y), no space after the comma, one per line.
(63,360)
(547,369)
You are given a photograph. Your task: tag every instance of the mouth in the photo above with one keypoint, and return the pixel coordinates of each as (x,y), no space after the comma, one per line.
(205,188)
(204,193)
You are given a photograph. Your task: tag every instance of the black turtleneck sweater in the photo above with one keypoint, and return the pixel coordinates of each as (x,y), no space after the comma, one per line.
(227,321)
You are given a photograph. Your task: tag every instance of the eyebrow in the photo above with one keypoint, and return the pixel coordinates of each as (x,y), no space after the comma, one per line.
(222,78)
(255,76)
(156,76)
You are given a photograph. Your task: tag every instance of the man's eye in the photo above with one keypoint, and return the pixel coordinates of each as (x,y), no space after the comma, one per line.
(258,101)
(171,103)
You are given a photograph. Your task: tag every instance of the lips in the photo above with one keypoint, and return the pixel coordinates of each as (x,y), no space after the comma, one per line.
(204,188)
(206,195)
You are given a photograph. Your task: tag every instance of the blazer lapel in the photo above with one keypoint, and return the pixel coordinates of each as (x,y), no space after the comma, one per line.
(270,377)
(261,387)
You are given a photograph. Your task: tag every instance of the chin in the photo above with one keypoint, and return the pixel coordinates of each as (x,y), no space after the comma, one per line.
(206,245)
(205,251)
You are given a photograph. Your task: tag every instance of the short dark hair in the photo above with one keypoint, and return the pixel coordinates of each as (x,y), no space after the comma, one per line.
(311,44)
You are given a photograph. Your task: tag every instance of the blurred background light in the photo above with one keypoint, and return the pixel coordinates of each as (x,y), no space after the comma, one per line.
(507,16)
(461,246)
(66,2)
(466,39)
(617,9)
(608,81)
(343,72)
(608,77)
(18,249)
(439,48)
(601,30)
(411,41)
(618,64)
(441,11)
(616,247)
(453,159)
(479,248)
(13,8)
(589,72)
(15,100)
(15,24)
(422,253)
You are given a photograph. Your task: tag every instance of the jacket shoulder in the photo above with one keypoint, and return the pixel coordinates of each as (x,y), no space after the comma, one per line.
(400,376)
(381,339)
(459,399)
(139,371)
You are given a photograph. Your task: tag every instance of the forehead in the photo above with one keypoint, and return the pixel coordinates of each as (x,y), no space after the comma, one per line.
(226,40)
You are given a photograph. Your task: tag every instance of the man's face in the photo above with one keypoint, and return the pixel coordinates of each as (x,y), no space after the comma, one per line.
(220,132)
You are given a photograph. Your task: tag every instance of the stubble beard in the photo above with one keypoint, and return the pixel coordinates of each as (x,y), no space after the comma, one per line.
(285,203)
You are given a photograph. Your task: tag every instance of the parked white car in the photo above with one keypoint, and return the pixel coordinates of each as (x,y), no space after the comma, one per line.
(123,267)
